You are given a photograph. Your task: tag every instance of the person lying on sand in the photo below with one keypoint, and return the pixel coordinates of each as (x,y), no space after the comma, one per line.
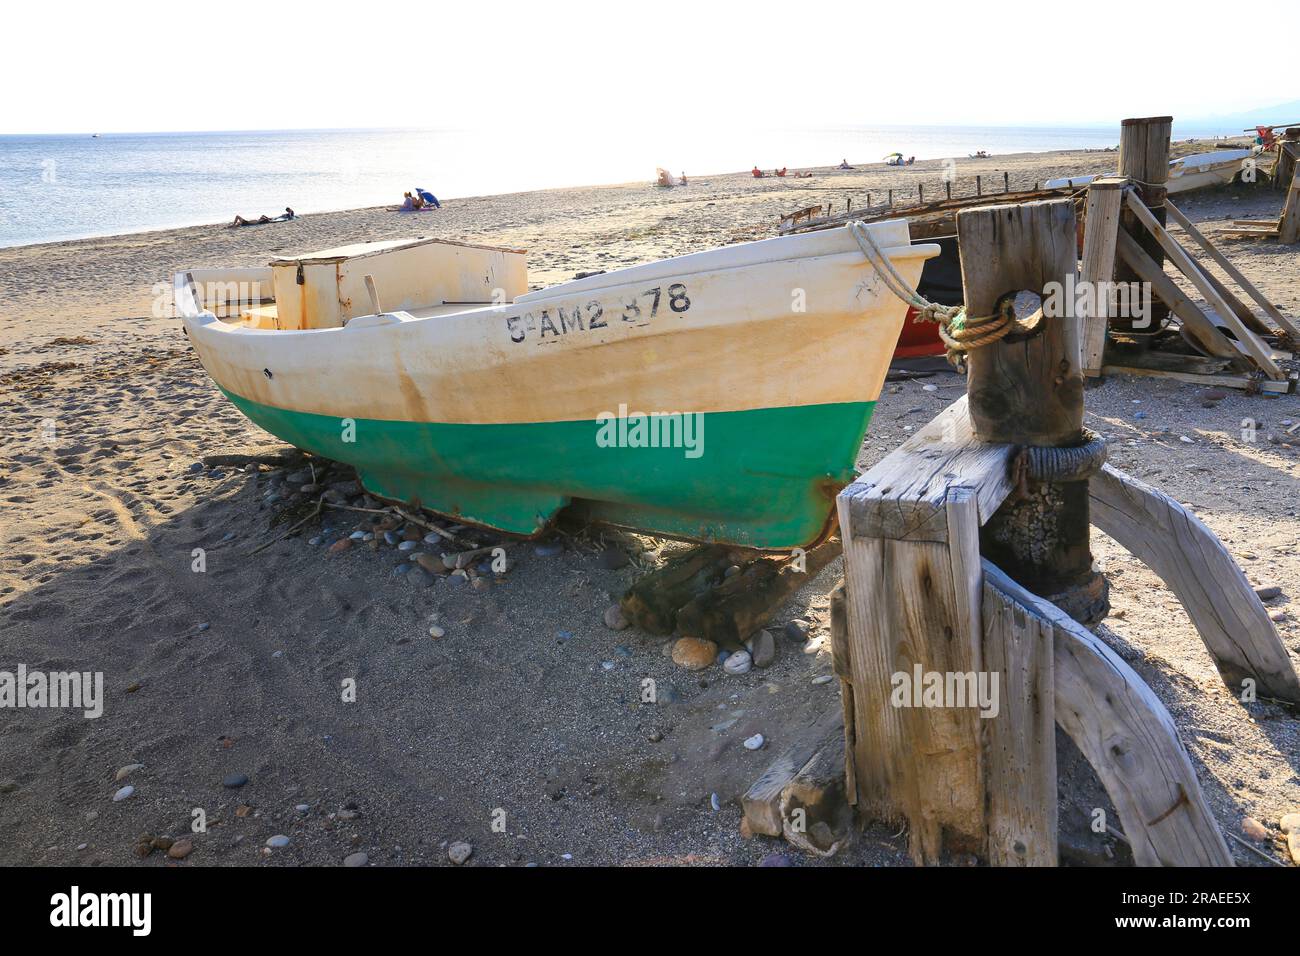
(263,220)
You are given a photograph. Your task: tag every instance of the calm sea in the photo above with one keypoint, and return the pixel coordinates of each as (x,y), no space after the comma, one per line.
(75,186)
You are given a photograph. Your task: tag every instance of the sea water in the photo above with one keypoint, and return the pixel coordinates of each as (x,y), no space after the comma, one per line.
(74,186)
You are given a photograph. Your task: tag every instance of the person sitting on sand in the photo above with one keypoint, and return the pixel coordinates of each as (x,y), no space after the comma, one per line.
(407,203)
(781,171)
(682,182)
(287,214)
(756,173)
(417,202)
(429,198)
(844,164)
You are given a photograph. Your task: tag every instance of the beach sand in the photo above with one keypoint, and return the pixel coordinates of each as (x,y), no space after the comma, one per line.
(526,712)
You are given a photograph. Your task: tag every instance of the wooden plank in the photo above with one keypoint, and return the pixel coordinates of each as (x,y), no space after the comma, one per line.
(1191,560)
(841,662)
(1105,197)
(1193,272)
(1232,271)
(762,802)
(1031,391)
(1244,382)
(905,495)
(1129,738)
(1020,740)
(907,609)
(1288,224)
(1198,325)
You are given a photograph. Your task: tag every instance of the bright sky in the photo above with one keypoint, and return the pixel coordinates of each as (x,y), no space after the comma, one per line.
(653,67)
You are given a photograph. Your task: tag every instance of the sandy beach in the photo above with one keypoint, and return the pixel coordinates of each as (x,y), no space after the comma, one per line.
(526,709)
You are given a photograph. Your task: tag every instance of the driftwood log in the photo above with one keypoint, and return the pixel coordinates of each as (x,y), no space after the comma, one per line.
(693,594)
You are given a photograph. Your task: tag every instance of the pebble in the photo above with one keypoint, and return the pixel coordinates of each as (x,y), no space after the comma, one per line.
(128,769)
(755,742)
(714,802)
(392,538)
(435,631)
(314,541)
(693,653)
(762,647)
(614,619)
(180,849)
(278,841)
(358,536)
(929,388)
(1293,845)
(123,793)
(563,636)
(459,852)
(340,545)
(303,807)
(419,578)
(356,859)
(401,569)
(408,545)
(548,550)
(431,563)
(1254,830)
(1289,822)
(1268,593)
(1185,440)
(738,663)
(1277,617)
(796,631)
(823,679)
(1139,415)
(235,780)
(433,538)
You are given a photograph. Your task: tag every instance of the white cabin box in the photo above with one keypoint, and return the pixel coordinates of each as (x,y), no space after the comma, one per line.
(325,289)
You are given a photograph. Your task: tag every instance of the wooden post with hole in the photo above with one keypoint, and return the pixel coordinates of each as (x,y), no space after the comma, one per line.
(1288,224)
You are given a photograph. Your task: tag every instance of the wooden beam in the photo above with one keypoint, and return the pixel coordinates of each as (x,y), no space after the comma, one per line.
(1105,197)
(905,496)
(1198,325)
(916,604)
(1129,738)
(1196,566)
(1232,271)
(1244,382)
(1020,740)
(1189,268)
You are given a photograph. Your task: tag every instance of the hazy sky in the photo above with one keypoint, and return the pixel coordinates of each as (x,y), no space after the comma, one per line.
(649,69)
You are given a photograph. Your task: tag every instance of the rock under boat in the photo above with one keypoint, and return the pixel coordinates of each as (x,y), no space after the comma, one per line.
(718,396)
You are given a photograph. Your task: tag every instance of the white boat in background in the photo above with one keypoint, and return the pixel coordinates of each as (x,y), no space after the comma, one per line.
(1198,171)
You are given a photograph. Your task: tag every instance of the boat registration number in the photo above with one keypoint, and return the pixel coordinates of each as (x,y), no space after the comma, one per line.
(560,320)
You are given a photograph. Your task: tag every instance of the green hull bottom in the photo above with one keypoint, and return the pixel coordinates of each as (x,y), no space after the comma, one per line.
(766,478)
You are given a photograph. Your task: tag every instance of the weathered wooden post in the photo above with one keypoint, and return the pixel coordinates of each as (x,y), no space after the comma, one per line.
(1284,168)
(1027,389)
(1144,160)
(1288,224)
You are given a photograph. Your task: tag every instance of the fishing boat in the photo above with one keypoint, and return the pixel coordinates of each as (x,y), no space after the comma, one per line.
(718,396)
(1198,171)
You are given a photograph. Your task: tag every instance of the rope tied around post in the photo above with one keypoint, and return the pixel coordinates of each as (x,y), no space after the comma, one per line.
(959,331)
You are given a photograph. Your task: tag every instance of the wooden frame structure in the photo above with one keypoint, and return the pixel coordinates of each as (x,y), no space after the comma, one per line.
(1248,360)
(921,597)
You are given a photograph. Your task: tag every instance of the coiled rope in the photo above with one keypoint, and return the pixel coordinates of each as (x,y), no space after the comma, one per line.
(960,332)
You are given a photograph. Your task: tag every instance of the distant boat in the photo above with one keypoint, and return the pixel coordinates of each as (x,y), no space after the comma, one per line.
(718,396)
(1186,173)
(94,136)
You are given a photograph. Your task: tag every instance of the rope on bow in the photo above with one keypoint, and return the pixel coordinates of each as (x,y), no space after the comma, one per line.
(960,332)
